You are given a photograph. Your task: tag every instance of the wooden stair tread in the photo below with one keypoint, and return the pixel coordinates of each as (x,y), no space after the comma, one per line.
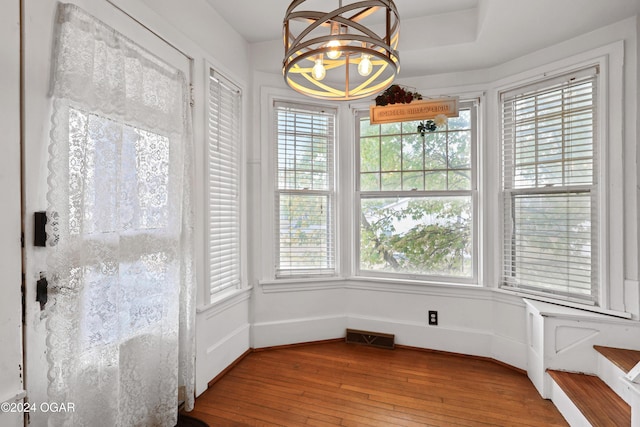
(621,357)
(600,405)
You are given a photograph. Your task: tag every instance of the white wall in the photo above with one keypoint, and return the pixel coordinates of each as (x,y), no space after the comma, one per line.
(483,321)
(11,382)
(473,321)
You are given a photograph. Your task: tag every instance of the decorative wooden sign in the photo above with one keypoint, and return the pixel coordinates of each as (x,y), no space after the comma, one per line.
(416,110)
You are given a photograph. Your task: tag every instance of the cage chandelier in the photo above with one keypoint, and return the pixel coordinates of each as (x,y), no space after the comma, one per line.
(348,53)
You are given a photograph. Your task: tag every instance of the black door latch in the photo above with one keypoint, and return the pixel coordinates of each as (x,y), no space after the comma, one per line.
(41,291)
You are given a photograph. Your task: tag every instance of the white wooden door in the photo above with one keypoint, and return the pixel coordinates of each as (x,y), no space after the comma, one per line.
(11,373)
(38,33)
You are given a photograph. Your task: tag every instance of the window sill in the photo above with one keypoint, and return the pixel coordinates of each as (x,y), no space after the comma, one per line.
(302,284)
(224,300)
(370,283)
(562,308)
(414,282)
(392,280)
(417,287)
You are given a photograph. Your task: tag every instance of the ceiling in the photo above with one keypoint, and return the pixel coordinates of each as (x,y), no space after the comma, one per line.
(440,36)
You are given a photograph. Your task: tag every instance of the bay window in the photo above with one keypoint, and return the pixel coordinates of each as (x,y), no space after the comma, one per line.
(413,208)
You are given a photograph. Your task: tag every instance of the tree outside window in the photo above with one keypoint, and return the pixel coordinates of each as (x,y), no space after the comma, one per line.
(417,204)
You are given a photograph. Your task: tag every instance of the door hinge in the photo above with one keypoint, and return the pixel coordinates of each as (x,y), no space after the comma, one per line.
(192,95)
(22,240)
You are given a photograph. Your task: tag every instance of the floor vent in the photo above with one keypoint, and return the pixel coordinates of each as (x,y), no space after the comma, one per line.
(375,339)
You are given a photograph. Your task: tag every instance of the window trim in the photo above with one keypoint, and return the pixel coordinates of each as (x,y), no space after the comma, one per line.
(268,271)
(611,145)
(511,190)
(473,105)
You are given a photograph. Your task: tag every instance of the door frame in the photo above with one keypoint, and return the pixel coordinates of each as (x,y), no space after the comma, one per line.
(11,329)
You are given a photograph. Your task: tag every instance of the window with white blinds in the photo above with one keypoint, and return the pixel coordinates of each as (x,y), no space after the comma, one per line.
(305,193)
(550,182)
(225,142)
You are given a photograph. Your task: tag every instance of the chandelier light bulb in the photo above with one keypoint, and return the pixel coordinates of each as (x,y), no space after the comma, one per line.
(318,72)
(365,67)
(333,53)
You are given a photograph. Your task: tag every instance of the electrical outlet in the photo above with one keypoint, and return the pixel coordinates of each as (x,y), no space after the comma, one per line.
(433,318)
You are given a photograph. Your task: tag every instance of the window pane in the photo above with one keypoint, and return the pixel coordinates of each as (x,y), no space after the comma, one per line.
(551,247)
(305,144)
(370,154)
(391,181)
(412,152)
(459,146)
(549,136)
(435,146)
(459,180)
(391,129)
(463,121)
(370,181)
(435,181)
(366,128)
(417,235)
(304,235)
(413,181)
(409,128)
(391,153)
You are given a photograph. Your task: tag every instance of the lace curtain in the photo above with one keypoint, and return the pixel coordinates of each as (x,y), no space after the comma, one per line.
(121,314)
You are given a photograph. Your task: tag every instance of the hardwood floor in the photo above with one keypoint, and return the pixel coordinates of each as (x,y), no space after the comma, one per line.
(339,384)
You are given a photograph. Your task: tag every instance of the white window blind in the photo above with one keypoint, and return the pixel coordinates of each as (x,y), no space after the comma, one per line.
(304,197)
(549,170)
(225,143)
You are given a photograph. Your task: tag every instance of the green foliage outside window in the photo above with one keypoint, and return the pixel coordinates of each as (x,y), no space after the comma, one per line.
(422,223)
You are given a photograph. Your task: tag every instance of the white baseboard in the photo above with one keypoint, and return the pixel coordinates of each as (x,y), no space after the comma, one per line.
(455,340)
(463,341)
(269,334)
(219,355)
(509,351)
